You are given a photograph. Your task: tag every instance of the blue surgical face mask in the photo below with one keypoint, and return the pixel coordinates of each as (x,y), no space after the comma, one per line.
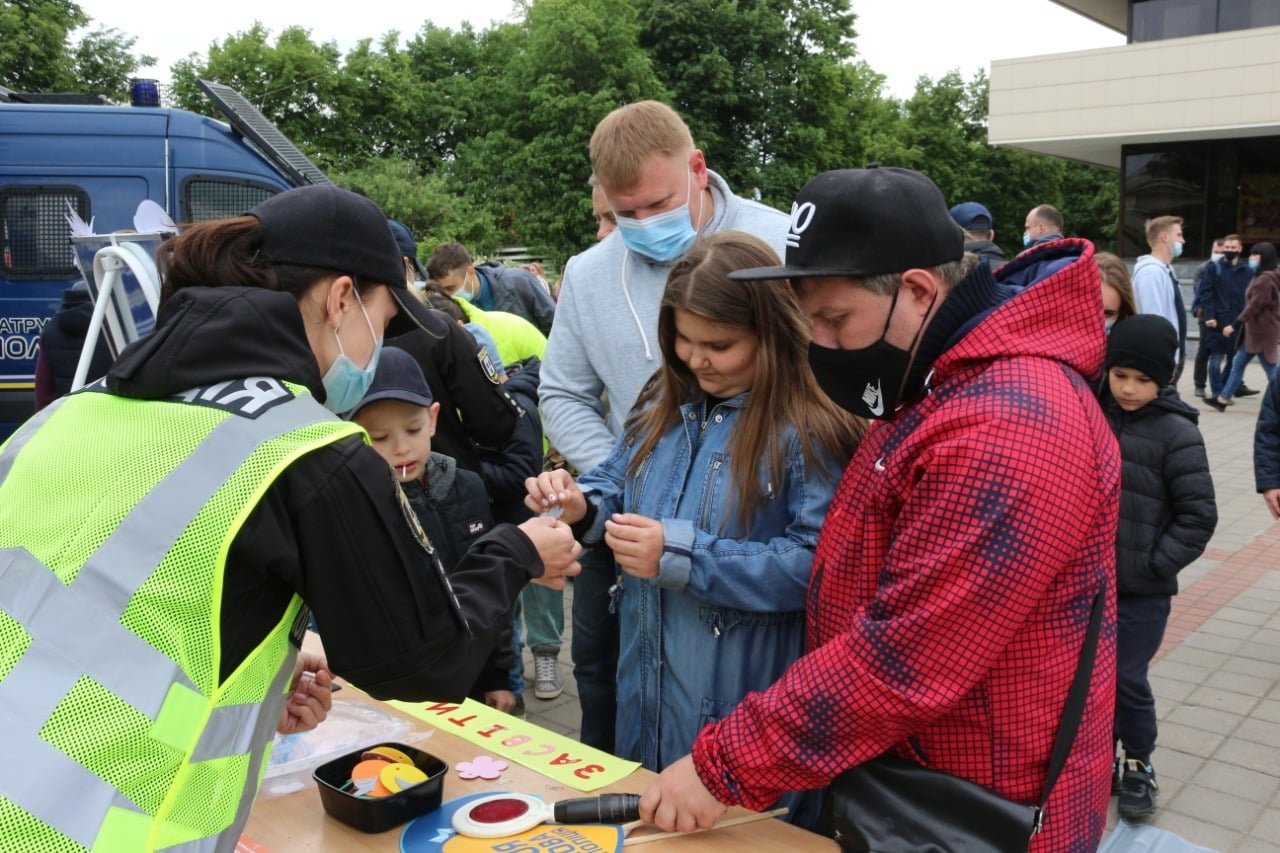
(665,236)
(1177,250)
(1026,239)
(345,384)
(465,294)
(1215,257)
(1254,263)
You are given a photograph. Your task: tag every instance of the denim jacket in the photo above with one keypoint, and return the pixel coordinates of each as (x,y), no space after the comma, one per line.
(725,615)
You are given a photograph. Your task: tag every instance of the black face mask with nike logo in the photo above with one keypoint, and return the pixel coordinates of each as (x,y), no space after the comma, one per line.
(865,382)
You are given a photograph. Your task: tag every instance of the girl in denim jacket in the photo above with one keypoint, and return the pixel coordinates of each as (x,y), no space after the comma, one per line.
(711,500)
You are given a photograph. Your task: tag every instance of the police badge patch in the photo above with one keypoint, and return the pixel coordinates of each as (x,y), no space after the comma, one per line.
(487,364)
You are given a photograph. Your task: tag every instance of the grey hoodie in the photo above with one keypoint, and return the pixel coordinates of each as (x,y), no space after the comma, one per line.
(605,337)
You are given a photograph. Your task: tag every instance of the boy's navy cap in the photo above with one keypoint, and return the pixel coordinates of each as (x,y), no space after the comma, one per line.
(408,248)
(972,216)
(398,377)
(1145,342)
(323,226)
(863,222)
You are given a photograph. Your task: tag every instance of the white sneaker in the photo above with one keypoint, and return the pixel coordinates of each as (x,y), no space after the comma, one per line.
(547,682)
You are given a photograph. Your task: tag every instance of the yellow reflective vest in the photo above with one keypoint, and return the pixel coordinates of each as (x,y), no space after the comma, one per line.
(116,517)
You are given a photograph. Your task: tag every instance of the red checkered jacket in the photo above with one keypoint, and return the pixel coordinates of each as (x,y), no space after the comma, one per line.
(954,578)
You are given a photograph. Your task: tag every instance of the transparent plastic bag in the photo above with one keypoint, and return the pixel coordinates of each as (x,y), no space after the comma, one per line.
(350,725)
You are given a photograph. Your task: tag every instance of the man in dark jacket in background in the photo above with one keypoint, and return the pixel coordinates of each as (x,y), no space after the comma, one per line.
(1198,310)
(1224,285)
(979,232)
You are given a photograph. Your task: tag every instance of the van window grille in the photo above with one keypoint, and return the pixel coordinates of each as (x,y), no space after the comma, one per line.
(205,198)
(35,240)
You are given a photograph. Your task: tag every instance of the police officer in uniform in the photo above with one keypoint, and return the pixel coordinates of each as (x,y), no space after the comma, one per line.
(164,531)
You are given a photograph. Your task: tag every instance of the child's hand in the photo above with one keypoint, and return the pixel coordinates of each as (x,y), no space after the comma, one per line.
(556,548)
(636,542)
(503,700)
(556,488)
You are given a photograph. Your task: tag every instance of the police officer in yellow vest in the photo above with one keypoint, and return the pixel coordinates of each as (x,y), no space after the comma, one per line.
(161,530)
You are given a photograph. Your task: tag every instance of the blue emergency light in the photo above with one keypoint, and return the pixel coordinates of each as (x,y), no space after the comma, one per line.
(144,93)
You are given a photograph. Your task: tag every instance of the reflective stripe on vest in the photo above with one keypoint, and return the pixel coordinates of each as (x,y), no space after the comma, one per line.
(70,624)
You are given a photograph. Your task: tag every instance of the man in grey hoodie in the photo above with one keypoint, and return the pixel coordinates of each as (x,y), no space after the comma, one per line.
(604,344)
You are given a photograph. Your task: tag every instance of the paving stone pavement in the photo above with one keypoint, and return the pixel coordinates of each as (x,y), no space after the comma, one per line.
(1216,677)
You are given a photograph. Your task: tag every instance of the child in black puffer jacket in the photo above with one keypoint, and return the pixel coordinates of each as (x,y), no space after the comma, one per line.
(1167,515)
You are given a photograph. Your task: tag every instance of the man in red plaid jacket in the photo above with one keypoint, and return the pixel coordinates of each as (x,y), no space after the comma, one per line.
(961,555)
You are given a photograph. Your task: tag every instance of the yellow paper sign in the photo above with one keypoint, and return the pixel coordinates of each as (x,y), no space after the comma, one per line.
(551,754)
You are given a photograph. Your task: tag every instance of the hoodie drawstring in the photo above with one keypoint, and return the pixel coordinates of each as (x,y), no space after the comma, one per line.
(626,291)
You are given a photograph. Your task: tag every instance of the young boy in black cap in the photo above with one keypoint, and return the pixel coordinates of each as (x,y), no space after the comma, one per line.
(450,503)
(1167,514)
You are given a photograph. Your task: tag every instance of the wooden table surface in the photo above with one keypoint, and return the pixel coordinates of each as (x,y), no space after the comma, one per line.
(297,822)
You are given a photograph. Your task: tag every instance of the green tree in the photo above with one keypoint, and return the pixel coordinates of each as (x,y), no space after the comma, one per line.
(422,202)
(294,82)
(37,53)
(769,87)
(551,80)
(104,62)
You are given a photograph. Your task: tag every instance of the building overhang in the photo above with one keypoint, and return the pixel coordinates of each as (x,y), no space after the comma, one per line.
(1109,13)
(1085,105)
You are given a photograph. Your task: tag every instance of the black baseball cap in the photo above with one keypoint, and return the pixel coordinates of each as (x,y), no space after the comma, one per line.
(863,222)
(324,226)
(398,377)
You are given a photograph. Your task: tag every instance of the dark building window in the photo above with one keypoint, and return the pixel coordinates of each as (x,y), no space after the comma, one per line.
(1218,187)
(1155,20)
(1247,14)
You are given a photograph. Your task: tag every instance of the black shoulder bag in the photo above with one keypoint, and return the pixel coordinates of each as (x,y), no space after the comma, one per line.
(890,805)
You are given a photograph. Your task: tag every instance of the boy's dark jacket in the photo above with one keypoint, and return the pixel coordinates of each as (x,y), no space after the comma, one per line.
(1167,507)
(453,508)
(506,467)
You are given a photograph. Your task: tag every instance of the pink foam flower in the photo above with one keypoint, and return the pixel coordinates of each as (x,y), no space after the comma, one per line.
(481,767)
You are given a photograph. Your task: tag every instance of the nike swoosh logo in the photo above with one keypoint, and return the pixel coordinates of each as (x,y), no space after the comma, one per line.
(879,466)
(874,399)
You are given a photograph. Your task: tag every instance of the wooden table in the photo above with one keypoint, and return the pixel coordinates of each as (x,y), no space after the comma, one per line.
(297,822)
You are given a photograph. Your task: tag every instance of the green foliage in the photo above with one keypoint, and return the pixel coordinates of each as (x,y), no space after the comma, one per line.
(767,86)
(432,213)
(37,53)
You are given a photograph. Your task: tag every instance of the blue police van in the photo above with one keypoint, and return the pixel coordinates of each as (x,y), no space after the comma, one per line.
(101,161)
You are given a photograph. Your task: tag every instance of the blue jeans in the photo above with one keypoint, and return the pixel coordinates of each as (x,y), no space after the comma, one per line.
(1140,624)
(542,610)
(1219,370)
(595,646)
(1236,377)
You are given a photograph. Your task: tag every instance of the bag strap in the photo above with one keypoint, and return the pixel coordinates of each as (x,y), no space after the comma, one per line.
(1076,697)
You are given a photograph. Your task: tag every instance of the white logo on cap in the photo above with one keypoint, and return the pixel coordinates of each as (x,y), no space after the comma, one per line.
(801,218)
(874,399)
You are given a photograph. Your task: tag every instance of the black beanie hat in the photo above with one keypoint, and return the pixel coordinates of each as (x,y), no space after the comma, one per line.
(1145,342)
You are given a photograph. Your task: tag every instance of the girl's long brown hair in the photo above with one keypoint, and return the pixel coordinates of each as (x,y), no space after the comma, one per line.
(784,391)
(1116,274)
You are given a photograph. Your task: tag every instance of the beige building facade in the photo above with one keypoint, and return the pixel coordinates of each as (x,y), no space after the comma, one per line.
(1188,111)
